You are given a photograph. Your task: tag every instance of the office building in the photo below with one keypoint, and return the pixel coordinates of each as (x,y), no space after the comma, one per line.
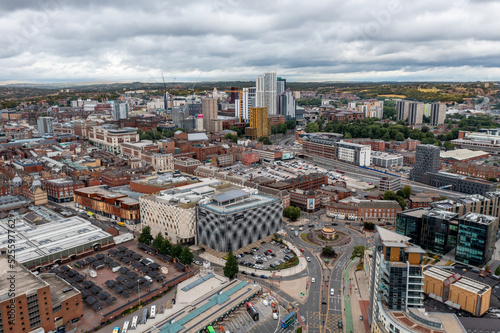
(209,109)
(389,183)
(476,238)
(266,92)
(438,114)
(259,123)
(45,125)
(235,219)
(320,144)
(415,113)
(120,110)
(353,153)
(426,160)
(457,291)
(402,110)
(483,141)
(488,204)
(385,160)
(396,278)
(62,189)
(110,138)
(172,212)
(307,200)
(438,231)
(34,303)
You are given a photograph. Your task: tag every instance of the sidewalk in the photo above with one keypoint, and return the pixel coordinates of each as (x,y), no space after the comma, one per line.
(348,322)
(286,272)
(359,295)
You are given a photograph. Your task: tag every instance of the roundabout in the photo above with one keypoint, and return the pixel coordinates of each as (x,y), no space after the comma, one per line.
(328,237)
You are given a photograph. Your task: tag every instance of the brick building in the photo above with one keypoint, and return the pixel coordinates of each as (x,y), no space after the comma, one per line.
(306,200)
(39,302)
(114,205)
(62,190)
(365,211)
(483,171)
(186,164)
(28,165)
(113,178)
(249,158)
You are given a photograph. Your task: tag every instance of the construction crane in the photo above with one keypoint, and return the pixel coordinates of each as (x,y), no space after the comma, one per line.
(240,92)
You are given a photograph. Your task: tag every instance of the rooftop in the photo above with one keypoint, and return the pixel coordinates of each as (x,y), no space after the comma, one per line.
(478,218)
(26,282)
(462,154)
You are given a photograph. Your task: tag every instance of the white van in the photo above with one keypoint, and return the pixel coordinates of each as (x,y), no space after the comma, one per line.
(152,313)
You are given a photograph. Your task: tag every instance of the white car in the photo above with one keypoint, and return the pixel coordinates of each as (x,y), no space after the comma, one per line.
(332,292)
(308,259)
(292,228)
(275,316)
(313,280)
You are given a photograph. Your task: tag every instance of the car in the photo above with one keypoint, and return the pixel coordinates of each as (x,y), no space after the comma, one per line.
(339,324)
(332,292)
(61,329)
(292,228)
(308,259)
(263,276)
(270,251)
(198,263)
(253,274)
(300,228)
(72,321)
(275,316)
(301,250)
(313,280)
(244,272)
(311,225)
(335,224)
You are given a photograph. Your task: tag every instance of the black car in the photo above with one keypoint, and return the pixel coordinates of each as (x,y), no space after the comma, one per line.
(311,225)
(339,324)
(253,274)
(335,223)
(243,272)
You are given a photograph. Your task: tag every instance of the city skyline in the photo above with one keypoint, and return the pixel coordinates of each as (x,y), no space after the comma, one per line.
(66,41)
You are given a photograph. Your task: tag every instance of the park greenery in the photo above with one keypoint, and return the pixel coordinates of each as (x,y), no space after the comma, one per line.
(265,140)
(400,196)
(145,236)
(293,213)
(231,267)
(163,246)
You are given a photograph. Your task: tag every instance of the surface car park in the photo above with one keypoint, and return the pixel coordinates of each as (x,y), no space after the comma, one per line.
(268,256)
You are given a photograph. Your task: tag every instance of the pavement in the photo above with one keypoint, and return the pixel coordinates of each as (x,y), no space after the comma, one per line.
(359,298)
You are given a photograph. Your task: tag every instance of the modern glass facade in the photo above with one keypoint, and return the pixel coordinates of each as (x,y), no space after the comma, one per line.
(476,239)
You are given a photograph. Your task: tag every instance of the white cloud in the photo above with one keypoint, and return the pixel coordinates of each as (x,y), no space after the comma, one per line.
(69,40)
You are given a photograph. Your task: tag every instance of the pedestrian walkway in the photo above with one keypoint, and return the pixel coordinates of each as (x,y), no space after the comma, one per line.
(359,297)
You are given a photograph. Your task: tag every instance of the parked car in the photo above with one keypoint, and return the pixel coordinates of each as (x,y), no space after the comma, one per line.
(253,274)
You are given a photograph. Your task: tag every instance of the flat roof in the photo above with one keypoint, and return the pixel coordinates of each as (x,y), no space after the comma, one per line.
(252,201)
(230,195)
(37,241)
(26,281)
(472,285)
(462,154)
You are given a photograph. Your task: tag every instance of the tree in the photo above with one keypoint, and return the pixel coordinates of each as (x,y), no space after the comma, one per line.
(369,225)
(186,257)
(358,252)
(176,250)
(265,140)
(399,137)
(448,145)
(293,213)
(312,127)
(158,241)
(492,179)
(290,124)
(401,201)
(407,191)
(400,193)
(389,195)
(328,251)
(386,137)
(232,137)
(497,270)
(231,267)
(145,236)
(166,247)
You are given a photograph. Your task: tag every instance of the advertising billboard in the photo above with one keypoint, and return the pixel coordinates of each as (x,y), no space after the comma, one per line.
(287,156)
(310,204)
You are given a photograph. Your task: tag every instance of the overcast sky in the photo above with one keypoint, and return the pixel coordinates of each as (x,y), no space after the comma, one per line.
(313,40)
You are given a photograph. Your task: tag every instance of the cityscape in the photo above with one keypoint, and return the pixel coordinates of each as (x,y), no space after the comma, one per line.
(212,189)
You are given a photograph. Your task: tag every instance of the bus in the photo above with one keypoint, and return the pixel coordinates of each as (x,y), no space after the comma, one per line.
(289,319)
(125,327)
(252,311)
(210,329)
(133,326)
(152,313)
(116,330)
(144,316)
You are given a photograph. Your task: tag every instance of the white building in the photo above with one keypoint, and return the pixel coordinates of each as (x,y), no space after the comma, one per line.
(173,212)
(45,125)
(110,138)
(266,92)
(385,160)
(120,110)
(353,153)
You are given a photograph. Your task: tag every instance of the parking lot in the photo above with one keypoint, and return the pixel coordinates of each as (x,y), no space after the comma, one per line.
(269,256)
